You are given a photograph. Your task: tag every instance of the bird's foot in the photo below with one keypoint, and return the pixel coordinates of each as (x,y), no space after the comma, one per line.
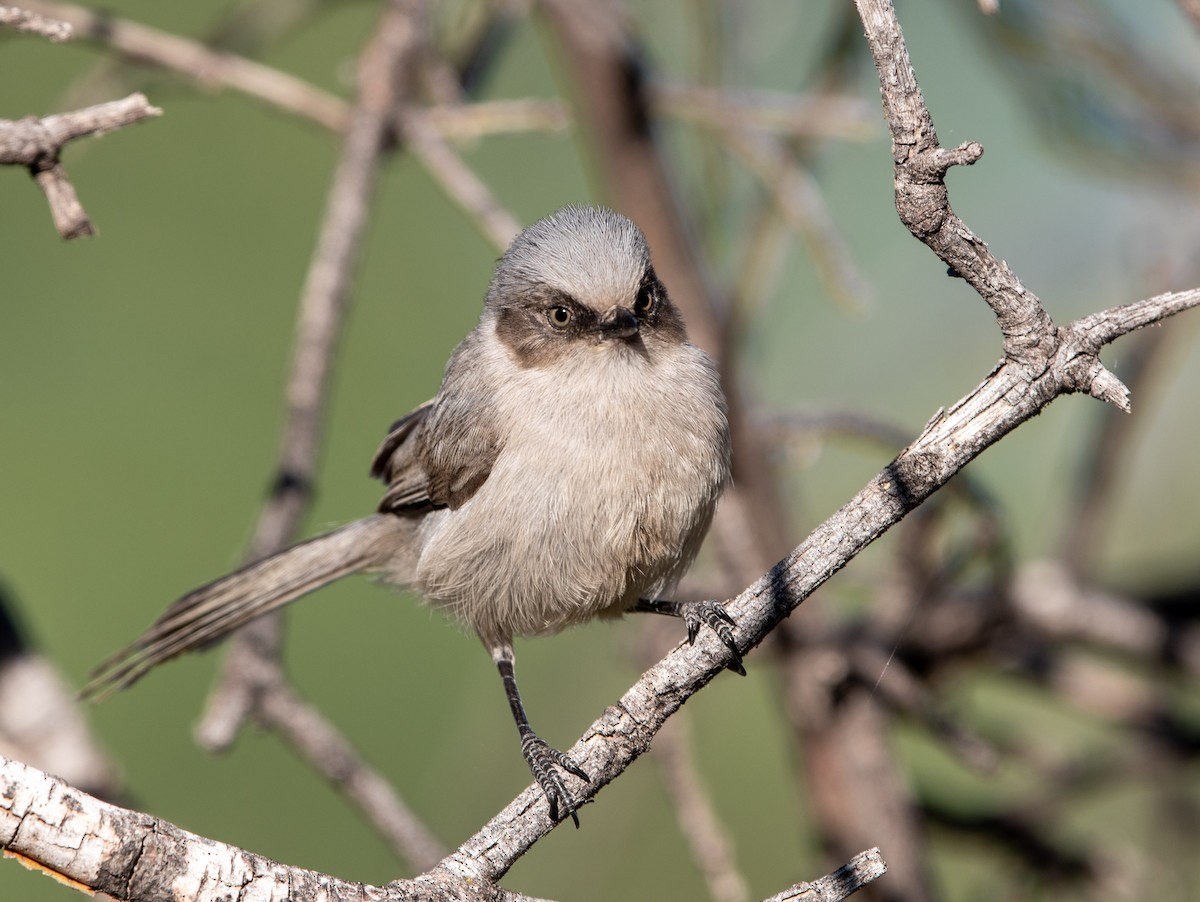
(543,763)
(696,614)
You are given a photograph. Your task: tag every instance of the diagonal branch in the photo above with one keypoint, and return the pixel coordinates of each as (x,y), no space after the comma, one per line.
(1009,396)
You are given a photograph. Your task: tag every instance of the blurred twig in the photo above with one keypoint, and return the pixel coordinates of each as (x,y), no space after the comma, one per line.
(797,115)
(307,730)
(251,681)
(459,182)
(22,20)
(801,202)
(40,720)
(144,44)
(1191,9)
(702,828)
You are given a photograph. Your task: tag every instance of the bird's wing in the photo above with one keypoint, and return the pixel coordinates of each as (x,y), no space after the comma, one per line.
(439,455)
(396,463)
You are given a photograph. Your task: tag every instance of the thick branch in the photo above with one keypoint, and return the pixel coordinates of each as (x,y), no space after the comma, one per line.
(98,847)
(95,847)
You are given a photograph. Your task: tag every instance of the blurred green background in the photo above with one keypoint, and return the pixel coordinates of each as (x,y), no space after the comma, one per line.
(141,375)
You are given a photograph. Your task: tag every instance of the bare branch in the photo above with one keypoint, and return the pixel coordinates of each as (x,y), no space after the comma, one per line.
(38,143)
(1107,325)
(865,867)
(1010,395)
(212,68)
(22,20)
(97,847)
(922,201)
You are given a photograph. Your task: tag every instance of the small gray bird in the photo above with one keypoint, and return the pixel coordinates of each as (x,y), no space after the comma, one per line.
(567,469)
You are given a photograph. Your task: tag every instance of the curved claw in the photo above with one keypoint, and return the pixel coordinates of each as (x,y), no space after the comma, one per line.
(696,614)
(542,761)
(713,614)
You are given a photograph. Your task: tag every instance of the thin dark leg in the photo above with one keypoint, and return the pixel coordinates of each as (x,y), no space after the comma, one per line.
(541,758)
(696,614)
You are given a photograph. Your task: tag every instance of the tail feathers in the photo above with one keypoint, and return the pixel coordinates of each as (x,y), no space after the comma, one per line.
(217,609)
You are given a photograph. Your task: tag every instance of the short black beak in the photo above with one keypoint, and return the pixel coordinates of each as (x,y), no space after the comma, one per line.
(620,323)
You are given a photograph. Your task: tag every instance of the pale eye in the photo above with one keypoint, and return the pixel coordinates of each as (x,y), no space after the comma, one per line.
(643,305)
(560,317)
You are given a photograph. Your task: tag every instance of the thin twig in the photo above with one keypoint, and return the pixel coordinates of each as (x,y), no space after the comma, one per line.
(212,68)
(495,117)
(922,200)
(38,143)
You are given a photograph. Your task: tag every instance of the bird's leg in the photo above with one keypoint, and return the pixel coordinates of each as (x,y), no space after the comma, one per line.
(696,614)
(541,758)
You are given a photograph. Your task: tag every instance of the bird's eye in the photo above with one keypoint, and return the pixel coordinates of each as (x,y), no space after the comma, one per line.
(560,317)
(643,305)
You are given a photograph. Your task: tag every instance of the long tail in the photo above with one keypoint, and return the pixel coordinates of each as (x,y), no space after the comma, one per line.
(217,609)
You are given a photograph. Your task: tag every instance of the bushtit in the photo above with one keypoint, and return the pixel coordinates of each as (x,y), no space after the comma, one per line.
(567,469)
